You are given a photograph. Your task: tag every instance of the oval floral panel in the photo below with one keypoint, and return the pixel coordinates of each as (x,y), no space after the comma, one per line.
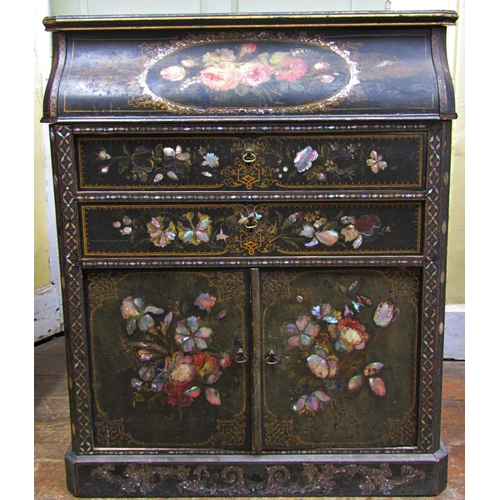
(262,76)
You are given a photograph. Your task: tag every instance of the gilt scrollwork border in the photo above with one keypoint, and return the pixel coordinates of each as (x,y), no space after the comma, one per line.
(276,480)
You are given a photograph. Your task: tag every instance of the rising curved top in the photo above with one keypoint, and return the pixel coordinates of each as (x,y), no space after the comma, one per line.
(342,65)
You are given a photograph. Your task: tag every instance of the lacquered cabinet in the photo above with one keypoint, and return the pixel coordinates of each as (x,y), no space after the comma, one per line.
(252,217)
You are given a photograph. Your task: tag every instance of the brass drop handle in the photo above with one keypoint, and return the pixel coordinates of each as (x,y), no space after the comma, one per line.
(241,357)
(249,156)
(251,222)
(271,358)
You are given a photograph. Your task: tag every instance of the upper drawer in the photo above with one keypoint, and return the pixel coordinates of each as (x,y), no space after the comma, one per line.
(277,162)
(266,229)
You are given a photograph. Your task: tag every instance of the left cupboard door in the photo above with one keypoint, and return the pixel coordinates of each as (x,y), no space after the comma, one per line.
(169,359)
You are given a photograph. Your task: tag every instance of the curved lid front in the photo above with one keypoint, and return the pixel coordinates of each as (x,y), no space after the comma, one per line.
(260,67)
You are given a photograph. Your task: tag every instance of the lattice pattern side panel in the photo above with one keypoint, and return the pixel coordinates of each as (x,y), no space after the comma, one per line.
(433,286)
(62,148)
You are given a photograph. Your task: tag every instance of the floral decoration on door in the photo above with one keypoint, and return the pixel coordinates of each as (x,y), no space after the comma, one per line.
(178,358)
(326,336)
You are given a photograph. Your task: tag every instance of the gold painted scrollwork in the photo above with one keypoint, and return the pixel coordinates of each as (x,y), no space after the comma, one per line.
(101,288)
(230,286)
(402,430)
(279,433)
(230,433)
(112,432)
(277,285)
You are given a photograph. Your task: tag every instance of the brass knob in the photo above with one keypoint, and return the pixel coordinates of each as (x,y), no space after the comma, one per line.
(271,358)
(241,357)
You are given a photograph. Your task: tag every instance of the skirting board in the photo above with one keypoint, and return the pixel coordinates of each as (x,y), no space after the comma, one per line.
(48,312)
(454,332)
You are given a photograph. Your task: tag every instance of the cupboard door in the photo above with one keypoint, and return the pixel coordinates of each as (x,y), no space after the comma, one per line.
(168,354)
(340,358)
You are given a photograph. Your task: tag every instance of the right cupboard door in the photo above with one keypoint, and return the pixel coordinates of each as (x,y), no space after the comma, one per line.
(340,350)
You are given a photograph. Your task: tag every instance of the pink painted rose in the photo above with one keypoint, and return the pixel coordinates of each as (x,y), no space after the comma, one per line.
(292,69)
(248,48)
(222,76)
(173,73)
(255,73)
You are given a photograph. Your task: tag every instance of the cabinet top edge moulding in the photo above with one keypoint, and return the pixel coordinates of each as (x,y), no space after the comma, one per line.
(385,65)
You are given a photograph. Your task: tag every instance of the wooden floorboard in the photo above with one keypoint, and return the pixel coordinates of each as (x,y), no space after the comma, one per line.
(52,426)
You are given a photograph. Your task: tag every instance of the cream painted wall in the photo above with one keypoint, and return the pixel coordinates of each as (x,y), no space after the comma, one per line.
(42,270)
(455,282)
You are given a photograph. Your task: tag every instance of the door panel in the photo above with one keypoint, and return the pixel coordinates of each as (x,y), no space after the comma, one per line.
(340,351)
(165,348)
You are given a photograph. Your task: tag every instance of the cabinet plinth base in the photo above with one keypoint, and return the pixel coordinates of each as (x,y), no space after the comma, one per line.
(257,475)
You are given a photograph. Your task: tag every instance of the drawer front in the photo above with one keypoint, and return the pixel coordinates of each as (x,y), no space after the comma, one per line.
(166,351)
(242,163)
(215,230)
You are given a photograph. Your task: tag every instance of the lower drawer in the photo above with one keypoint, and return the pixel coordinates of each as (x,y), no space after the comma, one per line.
(245,230)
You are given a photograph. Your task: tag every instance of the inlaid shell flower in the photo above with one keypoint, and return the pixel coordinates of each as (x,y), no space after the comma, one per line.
(385,314)
(204,301)
(356,229)
(211,160)
(325,312)
(311,404)
(103,155)
(182,369)
(160,235)
(175,161)
(375,162)
(189,336)
(199,232)
(323,366)
(137,314)
(327,238)
(303,160)
(213,396)
(301,332)
(376,384)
